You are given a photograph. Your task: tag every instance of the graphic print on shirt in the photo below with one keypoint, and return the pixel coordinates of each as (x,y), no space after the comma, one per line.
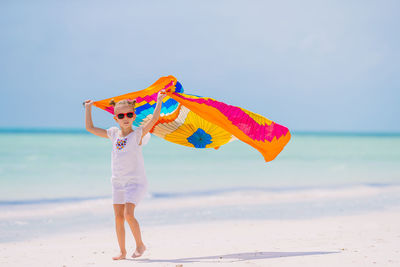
(121,143)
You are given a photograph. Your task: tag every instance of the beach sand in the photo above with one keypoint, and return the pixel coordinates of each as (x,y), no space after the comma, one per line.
(365,239)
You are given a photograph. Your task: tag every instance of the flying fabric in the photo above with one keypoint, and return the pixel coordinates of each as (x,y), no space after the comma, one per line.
(202,122)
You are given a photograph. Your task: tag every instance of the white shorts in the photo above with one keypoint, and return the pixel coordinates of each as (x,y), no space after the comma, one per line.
(128,192)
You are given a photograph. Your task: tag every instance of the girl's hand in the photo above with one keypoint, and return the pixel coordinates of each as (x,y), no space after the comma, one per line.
(88,103)
(161,95)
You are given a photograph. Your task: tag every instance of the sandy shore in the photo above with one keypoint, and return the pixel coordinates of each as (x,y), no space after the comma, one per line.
(369,239)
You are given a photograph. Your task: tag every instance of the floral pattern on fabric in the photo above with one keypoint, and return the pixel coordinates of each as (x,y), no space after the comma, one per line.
(121,143)
(200,138)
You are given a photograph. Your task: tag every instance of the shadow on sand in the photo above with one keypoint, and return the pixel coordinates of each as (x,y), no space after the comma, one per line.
(238,257)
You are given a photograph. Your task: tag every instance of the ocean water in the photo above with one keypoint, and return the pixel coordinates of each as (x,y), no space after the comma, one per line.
(47,166)
(60,179)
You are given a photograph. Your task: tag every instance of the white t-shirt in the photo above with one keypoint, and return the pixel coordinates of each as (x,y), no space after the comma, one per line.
(127,164)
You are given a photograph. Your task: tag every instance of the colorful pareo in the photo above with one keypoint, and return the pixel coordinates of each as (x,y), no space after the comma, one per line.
(203,122)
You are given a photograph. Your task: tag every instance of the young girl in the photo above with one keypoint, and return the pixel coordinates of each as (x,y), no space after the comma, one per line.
(129,183)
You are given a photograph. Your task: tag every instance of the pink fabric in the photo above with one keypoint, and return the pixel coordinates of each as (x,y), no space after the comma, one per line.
(243,121)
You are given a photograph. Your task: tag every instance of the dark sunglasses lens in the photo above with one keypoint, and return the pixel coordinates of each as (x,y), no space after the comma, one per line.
(121,116)
(129,115)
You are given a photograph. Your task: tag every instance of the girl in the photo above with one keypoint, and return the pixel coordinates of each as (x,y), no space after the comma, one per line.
(129,183)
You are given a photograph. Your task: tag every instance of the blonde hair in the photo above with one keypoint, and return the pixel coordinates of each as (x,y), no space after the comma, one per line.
(128,102)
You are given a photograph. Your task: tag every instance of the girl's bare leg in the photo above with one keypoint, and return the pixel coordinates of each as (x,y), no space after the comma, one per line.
(120,229)
(135,228)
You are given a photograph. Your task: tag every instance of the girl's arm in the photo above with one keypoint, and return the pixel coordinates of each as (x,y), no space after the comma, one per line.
(156,115)
(89,123)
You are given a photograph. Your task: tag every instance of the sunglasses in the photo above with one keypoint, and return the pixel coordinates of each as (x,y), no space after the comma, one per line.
(122,115)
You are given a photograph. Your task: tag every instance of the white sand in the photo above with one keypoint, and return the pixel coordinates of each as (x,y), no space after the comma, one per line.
(369,239)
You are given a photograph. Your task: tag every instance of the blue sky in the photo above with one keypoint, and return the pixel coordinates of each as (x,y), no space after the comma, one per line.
(309,65)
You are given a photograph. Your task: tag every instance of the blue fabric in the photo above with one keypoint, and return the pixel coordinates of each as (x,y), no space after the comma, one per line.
(199,138)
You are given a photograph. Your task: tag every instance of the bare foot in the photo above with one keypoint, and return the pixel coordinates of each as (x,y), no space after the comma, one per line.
(139,251)
(121,256)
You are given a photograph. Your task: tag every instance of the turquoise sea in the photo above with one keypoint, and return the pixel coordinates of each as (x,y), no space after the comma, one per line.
(48,174)
(55,165)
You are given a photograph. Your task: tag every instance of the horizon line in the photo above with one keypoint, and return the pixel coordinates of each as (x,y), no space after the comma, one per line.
(81,130)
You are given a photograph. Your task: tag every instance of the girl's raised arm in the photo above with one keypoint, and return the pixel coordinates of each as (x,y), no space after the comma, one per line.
(89,123)
(156,115)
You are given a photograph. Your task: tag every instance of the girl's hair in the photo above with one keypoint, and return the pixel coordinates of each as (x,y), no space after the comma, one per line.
(129,102)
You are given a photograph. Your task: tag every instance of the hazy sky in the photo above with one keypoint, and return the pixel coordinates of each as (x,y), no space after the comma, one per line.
(309,65)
